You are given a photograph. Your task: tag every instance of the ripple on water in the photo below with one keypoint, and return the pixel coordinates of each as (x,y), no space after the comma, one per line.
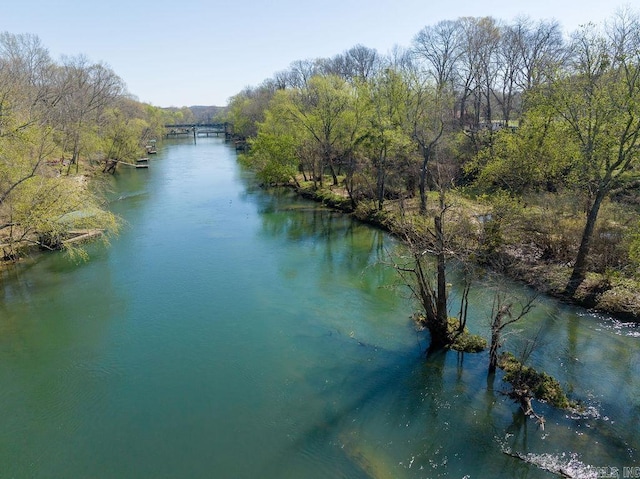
(607,323)
(565,464)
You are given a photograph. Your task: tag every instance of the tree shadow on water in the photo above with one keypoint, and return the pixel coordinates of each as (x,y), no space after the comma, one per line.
(399,414)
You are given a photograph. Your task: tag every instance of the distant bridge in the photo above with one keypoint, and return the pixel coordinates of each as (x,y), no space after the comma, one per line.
(178,130)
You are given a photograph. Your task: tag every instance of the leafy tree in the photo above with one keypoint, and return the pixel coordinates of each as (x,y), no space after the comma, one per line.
(388,142)
(89,89)
(121,134)
(430,116)
(48,110)
(534,157)
(274,153)
(323,111)
(247,109)
(598,101)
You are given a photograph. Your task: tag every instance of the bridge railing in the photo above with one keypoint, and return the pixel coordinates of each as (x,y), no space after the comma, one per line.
(182,129)
(221,126)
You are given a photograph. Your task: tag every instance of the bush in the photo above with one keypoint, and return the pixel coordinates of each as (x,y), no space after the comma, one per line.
(540,384)
(464,341)
(634,248)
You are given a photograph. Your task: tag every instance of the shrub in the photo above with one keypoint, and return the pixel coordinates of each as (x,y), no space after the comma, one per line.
(540,384)
(464,341)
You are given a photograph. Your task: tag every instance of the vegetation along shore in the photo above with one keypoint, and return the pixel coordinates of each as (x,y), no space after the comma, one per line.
(508,145)
(502,144)
(64,126)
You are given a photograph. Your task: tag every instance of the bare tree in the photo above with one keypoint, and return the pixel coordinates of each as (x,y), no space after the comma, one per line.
(509,67)
(542,50)
(503,316)
(476,71)
(432,105)
(301,72)
(439,47)
(88,89)
(363,62)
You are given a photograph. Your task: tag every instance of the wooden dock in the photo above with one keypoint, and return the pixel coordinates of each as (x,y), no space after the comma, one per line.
(110,165)
(135,165)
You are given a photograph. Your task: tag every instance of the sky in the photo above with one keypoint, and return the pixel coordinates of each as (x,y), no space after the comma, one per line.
(202,52)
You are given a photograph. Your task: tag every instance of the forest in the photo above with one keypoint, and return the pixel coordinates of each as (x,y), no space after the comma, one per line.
(59,124)
(483,146)
(505,144)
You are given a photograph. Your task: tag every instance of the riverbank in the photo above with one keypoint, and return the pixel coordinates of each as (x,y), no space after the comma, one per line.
(12,252)
(614,295)
(611,294)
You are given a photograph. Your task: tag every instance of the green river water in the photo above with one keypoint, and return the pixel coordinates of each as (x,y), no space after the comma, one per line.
(233,332)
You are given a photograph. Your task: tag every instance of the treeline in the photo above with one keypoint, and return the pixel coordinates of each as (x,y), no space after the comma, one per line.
(540,131)
(59,122)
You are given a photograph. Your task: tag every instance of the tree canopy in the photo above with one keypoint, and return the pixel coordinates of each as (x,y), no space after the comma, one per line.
(490,109)
(58,123)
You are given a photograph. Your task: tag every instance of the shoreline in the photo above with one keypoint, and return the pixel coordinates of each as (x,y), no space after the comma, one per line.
(595,294)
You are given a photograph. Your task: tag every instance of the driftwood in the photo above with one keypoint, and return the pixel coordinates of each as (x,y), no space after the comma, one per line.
(82,235)
(523,397)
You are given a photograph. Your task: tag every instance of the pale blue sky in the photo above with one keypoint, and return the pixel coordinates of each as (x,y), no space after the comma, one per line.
(198,52)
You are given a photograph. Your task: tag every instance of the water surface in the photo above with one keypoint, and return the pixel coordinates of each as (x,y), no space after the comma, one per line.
(234,332)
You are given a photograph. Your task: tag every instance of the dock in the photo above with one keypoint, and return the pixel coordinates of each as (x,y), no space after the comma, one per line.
(135,165)
(110,165)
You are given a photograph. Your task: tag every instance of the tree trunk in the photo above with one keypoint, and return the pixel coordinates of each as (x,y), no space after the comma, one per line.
(493,350)
(332,169)
(439,331)
(426,155)
(380,184)
(349,183)
(496,330)
(424,290)
(442,276)
(580,266)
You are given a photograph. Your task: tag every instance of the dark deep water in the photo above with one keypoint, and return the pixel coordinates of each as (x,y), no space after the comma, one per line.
(231,332)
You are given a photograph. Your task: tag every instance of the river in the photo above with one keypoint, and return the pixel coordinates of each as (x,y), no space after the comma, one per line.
(233,332)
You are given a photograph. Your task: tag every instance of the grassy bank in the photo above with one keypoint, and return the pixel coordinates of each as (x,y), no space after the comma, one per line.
(529,242)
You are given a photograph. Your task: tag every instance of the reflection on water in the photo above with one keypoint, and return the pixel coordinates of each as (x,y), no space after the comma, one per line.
(231,331)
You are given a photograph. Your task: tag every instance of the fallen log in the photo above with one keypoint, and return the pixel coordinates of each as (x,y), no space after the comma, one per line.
(82,235)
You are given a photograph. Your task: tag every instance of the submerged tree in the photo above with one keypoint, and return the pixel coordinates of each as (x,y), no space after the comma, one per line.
(425,270)
(428,289)
(503,316)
